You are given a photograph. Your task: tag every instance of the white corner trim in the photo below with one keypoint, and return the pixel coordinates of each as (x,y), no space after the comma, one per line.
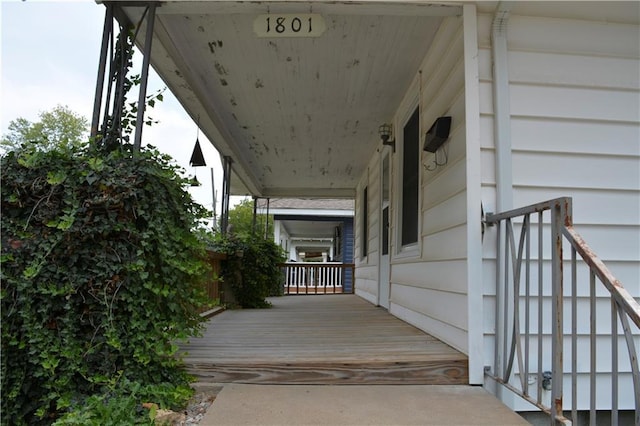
(474,196)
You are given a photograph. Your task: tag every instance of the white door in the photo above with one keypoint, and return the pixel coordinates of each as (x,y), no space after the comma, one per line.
(383,276)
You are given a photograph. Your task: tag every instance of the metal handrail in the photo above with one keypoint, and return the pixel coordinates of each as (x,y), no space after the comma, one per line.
(517,301)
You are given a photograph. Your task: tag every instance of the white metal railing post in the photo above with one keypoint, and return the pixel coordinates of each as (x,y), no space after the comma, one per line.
(540,305)
(574,334)
(499,319)
(614,362)
(557,216)
(500,285)
(624,308)
(592,347)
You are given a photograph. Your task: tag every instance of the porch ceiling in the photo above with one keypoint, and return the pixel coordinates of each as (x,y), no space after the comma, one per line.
(310,229)
(298,116)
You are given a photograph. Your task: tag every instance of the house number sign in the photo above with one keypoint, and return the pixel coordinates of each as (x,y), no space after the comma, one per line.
(289,25)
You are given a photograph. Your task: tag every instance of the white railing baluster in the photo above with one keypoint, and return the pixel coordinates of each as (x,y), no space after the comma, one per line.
(317,278)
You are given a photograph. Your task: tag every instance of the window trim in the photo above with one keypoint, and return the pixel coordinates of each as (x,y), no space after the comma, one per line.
(386,237)
(410,194)
(412,250)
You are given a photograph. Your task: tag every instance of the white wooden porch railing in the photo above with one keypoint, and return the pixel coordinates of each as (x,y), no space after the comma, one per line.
(532,321)
(318,278)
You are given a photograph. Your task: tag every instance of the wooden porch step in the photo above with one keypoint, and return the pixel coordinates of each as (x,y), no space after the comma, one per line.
(320,340)
(442,372)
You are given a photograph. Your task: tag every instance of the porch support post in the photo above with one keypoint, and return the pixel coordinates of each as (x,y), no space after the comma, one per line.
(107,33)
(276,232)
(266,226)
(151,17)
(213,196)
(226,187)
(255,215)
(473,184)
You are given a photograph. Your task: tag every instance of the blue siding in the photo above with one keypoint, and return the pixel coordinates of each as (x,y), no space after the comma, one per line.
(347,250)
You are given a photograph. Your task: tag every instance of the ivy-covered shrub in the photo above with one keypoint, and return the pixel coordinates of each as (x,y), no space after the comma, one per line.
(251,269)
(101,276)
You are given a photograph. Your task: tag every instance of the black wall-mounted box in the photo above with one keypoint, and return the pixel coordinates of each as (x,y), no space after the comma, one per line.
(437,134)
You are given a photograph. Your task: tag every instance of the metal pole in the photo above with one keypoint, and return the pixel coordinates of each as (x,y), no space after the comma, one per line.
(107,33)
(558,214)
(223,224)
(151,17)
(213,196)
(266,227)
(540,303)
(225,193)
(499,319)
(255,215)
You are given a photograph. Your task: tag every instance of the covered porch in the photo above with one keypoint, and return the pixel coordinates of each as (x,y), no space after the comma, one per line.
(321,339)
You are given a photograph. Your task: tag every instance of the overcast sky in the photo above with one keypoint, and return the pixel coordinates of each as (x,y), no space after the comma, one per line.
(49,57)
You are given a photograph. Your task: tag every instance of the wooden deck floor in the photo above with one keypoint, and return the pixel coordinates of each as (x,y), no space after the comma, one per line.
(320,340)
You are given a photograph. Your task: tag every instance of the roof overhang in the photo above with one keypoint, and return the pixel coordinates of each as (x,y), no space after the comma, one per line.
(297,116)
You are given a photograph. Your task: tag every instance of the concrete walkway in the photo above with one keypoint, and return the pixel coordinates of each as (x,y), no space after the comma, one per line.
(250,404)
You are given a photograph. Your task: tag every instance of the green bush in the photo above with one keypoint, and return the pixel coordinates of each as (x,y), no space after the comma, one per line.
(251,268)
(101,276)
(121,404)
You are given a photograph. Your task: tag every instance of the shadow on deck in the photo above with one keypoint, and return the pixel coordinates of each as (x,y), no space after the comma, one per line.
(339,339)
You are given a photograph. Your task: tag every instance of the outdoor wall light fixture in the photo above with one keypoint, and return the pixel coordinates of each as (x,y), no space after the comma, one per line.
(385,133)
(433,140)
(437,134)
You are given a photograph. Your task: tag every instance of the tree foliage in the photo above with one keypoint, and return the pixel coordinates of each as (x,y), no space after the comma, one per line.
(251,269)
(242,223)
(102,269)
(101,276)
(60,128)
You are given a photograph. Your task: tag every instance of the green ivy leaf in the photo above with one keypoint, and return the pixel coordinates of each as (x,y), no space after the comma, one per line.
(32,270)
(56,177)
(96,164)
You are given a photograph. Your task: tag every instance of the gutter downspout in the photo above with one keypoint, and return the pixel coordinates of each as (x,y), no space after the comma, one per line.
(502,108)
(504,177)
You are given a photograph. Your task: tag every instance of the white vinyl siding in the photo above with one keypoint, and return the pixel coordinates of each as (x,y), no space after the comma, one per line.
(367,266)
(574,90)
(430,290)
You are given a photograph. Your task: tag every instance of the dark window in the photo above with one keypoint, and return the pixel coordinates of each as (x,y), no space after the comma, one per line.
(385,231)
(386,186)
(365,222)
(410,183)
(337,244)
